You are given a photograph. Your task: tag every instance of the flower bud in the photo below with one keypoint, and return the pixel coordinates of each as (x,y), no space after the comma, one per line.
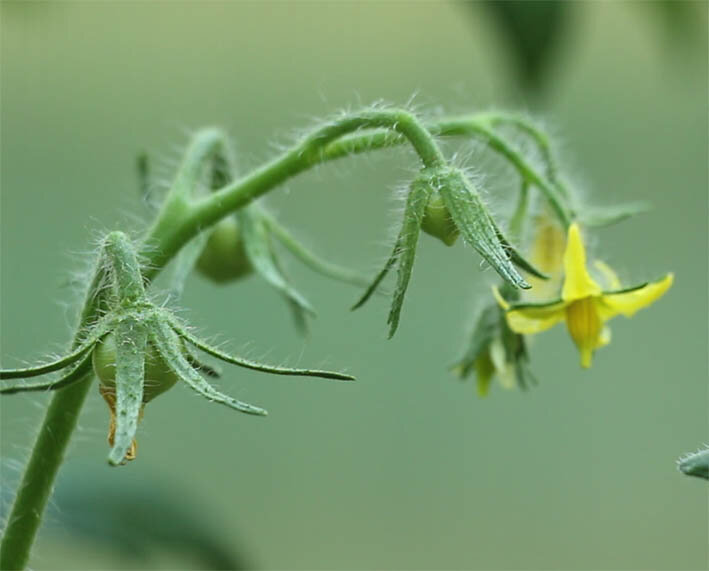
(158,376)
(437,221)
(224,257)
(158,379)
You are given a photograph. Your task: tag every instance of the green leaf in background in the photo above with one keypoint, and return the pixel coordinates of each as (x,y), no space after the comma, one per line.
(142,520)
(532,30)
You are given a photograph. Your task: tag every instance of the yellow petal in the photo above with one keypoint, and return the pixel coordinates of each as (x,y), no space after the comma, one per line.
(585,325)
(612,280)
(547,252)
(547,255)
(627,303)
(577,282)
(535,319)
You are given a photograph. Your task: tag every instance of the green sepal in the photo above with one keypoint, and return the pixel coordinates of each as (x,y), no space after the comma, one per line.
(311,260)
(517,258)
(484,371)
(300,315)
(167,343)
(38,370)
(530,305)
(77,373)
(525,377)
(131,343)
(475,223)
(629,288)
(248,364)
(695,464)
(202,367)
(491,326)
(515,347)
(380,276)
(600,216)
(98,331)
(416,202)
(481,336)
(258,249)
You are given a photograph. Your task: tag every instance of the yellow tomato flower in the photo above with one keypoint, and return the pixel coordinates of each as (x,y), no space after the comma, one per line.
(583,305)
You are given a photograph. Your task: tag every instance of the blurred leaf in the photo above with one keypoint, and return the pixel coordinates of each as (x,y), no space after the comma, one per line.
(139,519)
(532,30)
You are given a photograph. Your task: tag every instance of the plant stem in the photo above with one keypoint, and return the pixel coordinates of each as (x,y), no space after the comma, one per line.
(180,219)
(38,479)
(473,125)
(177,222)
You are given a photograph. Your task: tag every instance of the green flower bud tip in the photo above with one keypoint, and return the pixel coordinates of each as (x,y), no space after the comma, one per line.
(437,221)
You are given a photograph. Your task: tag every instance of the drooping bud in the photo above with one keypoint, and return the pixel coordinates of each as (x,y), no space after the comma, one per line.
(437,221)
(224,258)
(467,214)
(475,223)
(494,350)
(158,376)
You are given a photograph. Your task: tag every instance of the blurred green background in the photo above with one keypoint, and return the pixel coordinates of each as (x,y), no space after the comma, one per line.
(406,468)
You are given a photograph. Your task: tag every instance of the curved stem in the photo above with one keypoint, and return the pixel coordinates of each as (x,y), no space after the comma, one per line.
(473,125)
(205,144)
(38,479)
(470,127)
(178,223)
(180,219)
(495,118)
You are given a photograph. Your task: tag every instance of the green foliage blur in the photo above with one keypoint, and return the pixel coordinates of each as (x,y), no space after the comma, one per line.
(406,468)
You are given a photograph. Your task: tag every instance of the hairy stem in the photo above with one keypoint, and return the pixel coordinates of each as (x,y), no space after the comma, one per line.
(469,126)
(183,216)
(177,222)
(174,228)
